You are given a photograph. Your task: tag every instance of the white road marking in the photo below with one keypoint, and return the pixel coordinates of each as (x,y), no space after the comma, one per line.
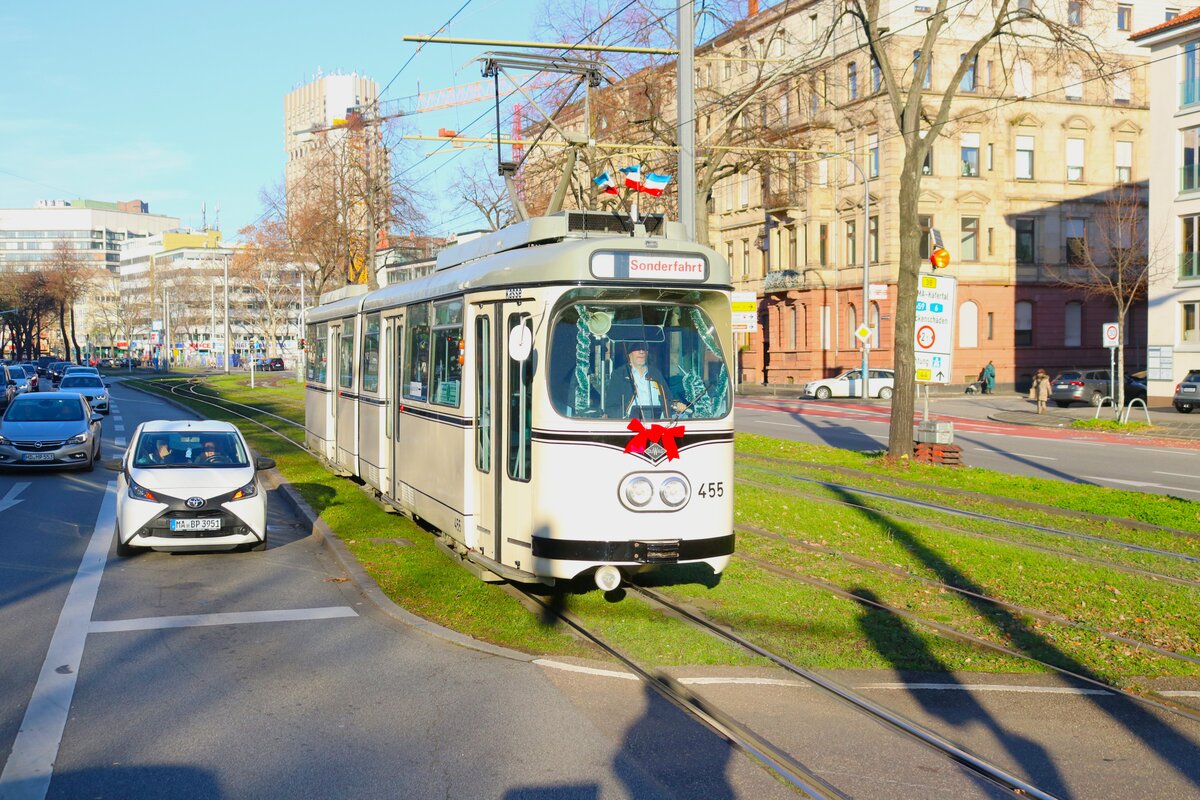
(119,441)
(12,497)
(1140,484)
(30,765)
(1177,474)
(1030,455)
(1179,693)
(602,673)
(741,682)
(984,687)
(119,428)
(230,618)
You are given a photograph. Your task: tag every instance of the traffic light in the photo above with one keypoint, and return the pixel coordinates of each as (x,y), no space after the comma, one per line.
(301,344)
(940,258)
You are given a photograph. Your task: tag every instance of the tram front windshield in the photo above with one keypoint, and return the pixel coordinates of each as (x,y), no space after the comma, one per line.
(637,360)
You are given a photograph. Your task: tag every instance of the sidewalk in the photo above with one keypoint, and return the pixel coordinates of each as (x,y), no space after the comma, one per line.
(1015,409)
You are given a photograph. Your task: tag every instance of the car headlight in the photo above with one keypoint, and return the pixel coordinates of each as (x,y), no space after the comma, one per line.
(78,438)
(139,492)
(4,441)
(249,490)
(674,492)
(639,492)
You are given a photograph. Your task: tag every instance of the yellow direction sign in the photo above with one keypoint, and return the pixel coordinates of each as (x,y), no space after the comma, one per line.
(744,306)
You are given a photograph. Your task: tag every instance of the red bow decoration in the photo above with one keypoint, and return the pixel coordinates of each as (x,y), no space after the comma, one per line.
(644,436)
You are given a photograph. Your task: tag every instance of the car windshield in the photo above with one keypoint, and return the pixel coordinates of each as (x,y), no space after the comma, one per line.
(40,409)
(81,382)
(157,449)
(646,360)
(29,369)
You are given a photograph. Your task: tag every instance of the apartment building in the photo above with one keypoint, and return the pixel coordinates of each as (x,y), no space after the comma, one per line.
(312,110)
(1173,342)
(1020,179)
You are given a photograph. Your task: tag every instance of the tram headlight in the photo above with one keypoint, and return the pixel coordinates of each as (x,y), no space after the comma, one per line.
(639,492)
(674,492)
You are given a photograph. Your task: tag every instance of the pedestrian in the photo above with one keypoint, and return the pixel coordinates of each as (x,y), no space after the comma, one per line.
(989,378)
(1040,390)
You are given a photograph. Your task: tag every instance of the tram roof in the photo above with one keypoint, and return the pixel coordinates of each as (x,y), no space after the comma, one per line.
(542,250)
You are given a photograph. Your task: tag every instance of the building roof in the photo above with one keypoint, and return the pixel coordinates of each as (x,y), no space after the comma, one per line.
(1182,19)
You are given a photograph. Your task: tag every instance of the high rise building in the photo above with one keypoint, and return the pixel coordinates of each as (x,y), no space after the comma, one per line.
(309,111)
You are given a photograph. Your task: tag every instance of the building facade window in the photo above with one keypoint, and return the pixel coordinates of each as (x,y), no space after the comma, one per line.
(1073,325)
(1075,159)
(851,327)
(873,155)
(1190,159)
(1024,158)
(823,244)
(1074,13)
(1023,79)
(1073,89)
(1026,240)
(852,81)
(824,332)
(968,82)
(1123,157)
(791,327)
(848,149)
(969,150)
(876,76)
(927,80)
(1124,17)
(851,242)
(925,222)
(1189,90)
(991,323)
(970,239)
(1023,324)
(1189,327)
(874,325)
(968,324)
(927,164)
(1076,241)
(1171,13)
(1189,248)
(745,258)
(873,239)
(1122,87)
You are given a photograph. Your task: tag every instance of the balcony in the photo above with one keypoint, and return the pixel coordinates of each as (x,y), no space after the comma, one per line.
(1189,178)
(1189,266)
(1189,92)
(778,200)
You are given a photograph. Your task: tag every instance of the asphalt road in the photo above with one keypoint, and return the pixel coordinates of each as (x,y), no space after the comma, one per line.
(1076,456)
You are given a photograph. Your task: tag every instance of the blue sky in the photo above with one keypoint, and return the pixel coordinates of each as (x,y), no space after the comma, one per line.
(178,104)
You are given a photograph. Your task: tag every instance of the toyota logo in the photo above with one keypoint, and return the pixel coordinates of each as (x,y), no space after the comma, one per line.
(195,502)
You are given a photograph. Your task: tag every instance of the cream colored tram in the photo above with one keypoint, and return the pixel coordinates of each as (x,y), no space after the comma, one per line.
(554,399)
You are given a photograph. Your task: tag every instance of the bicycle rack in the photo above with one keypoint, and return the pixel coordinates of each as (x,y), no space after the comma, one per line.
(1103,400)
(1125,413)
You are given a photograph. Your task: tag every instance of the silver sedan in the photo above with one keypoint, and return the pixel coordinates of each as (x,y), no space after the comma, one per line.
(49,429)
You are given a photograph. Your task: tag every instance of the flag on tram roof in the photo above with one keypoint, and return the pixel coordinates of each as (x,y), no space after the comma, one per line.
(654,184)
(606,183)
(633,177)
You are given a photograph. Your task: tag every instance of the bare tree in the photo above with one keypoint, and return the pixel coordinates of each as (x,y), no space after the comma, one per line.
(1112,260)
(921,111)
(28,297)
(265,267)
(482,190)
(68,278)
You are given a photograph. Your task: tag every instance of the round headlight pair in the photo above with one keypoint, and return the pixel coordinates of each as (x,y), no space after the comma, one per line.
(640,491)
(674,492)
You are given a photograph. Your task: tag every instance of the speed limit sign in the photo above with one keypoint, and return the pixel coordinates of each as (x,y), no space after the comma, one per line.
(1111,334)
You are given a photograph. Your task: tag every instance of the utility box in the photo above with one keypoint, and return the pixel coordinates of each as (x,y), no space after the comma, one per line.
(936,432)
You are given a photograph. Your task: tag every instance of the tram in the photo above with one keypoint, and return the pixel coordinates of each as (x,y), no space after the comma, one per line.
(554,400)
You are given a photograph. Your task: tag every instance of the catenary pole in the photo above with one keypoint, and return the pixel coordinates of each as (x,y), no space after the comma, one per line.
(685,102)
(227,347)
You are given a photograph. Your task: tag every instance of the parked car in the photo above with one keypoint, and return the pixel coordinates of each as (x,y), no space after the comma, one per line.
(8,386)
(31,372)
(18,375)
(190,485)
(1135,386)
(1187,392)
(849,384)
(90,388)
(49,429)
(269,364)
(1080,386)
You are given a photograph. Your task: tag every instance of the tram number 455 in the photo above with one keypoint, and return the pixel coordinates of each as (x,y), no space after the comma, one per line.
(712,489)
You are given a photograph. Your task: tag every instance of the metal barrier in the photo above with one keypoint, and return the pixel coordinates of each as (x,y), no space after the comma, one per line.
(1100,405)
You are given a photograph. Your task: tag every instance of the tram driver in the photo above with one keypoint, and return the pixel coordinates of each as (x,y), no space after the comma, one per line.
(639,389)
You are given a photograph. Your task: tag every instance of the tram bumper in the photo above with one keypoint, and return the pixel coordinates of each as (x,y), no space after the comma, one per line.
(566,558)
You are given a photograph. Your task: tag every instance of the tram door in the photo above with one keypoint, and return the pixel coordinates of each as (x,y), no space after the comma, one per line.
(335,354)
(392,404)
(504,366)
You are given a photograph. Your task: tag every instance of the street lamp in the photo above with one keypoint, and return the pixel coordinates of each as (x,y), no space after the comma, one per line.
(866,270)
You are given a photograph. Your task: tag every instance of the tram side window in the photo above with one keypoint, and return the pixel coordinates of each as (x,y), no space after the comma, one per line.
(316,346)
(447,352)
(346,357)
(370,354)
(520,374)
(416,367)
(483,394)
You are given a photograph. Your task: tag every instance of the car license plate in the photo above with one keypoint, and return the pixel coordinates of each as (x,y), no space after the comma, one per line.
(1062,386)
(38,457)
(1189,388)
(195,524)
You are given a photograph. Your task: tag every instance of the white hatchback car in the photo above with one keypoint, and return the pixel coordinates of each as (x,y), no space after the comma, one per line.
(849,384)
(190,485)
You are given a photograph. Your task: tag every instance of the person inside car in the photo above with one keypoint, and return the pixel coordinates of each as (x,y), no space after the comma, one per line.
(162,454)
(212,453)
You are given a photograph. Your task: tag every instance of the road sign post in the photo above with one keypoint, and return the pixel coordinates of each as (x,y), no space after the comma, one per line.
(1110,334)
(933,346)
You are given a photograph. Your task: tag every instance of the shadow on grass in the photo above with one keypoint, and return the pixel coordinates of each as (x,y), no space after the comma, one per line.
(318,495)
(1172,745)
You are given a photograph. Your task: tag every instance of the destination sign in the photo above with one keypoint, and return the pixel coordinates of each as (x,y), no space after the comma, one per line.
(649,266)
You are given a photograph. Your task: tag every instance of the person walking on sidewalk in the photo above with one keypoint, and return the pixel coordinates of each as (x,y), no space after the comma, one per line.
(988,376)
(1040,390)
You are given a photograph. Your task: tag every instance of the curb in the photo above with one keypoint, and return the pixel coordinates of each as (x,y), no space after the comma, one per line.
(365,584)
